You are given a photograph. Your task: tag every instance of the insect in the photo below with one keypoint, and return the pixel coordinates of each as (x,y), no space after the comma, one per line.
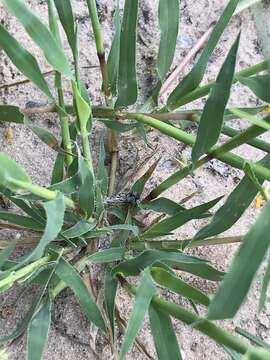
(4,202)
(121,199)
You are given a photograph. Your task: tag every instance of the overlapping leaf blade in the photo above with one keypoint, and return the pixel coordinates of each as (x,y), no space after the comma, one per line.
(109,298)
(258,84)
(113,58)
(40,35)
(5,254)
(175,284)
(38,331)
(169,25)
(144,294)
(212,117)
(236,204)
(164,335)
(193,79)
(127,78)
(71,277)
(166,226)
(10,113)
(237,281)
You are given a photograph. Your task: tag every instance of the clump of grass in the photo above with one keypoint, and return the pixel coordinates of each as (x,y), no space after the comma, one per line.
(78,221)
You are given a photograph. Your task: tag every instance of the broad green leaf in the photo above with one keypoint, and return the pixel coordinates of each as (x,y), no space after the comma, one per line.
(109,298)
(5,254)
(23,324)
(238,280)
(10,113)
(127,78)
(211,121)
(187,263)
(113,58)
(163,205)
(163,334)
(55,211)
(265,284)
(86,190)
(164,227)
(72,279)
(169,25)
(24,61)
(37,335)
(102,172)
(65,13)
(258,84)
(144,294)
(175,284)
(79,229)
(10,170)
(20,220)
(139,185)
(236,204)
(40,35)
(195,76)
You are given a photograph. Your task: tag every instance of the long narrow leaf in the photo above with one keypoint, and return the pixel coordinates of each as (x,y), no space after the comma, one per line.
(109,298)
(169,25)
(40,35)
(127,79)
(143,298)
(265,284)
(193,79)
(164,335)
(212,117)
(10,113)
(166,226)
(236,204)
(5,254)
(237,281)
(72,278)
(38,331)
(258,84)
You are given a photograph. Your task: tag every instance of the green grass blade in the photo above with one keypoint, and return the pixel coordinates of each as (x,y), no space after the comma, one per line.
(58,169)
(45,136)
(40,35)
(163,205)
(237,281)
(258,84)
(10,170)
(109,298)
(10,113)
(66,17)
(193,79)
(252,338)
(163,334)
(38,332)
(20,220)
(25,62)
(106,256)
(114,55)
(169,25)
(234,207)
(166,226)
(72,278)
(5,254)
(127,78)
(79,229)
(86,190)
(178,260)
(211,121)
(175,284)
(265,284)
(144,294)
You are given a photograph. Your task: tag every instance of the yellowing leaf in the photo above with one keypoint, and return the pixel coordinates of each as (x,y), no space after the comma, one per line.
(9,135)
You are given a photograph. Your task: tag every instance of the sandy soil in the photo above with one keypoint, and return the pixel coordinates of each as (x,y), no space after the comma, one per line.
(70,334)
